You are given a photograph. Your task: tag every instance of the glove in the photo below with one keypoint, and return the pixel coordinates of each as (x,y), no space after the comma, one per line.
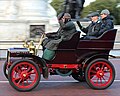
(79,24)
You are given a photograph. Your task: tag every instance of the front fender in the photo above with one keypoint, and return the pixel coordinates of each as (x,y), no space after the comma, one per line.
(41,62)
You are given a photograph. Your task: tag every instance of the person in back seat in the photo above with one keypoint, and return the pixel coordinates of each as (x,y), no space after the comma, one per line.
(106,20)
(93,28)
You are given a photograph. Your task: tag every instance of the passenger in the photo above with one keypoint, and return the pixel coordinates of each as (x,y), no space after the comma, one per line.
(65,32)
(93,28)
(107,22)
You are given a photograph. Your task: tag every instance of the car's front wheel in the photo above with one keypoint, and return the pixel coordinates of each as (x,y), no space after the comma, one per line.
(24,75)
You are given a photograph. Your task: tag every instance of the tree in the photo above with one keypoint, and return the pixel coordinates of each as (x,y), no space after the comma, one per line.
(99,5)
(58,5)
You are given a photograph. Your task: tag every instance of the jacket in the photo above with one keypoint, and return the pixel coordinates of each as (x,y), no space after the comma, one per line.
(64,33)
(92,29)
(107,24)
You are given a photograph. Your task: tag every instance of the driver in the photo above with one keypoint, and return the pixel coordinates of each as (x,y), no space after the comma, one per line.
(65,32)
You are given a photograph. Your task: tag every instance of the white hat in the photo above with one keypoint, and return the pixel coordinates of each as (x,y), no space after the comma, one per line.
(105,11)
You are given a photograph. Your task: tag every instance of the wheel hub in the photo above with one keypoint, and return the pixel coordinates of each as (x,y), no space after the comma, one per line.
(24,75)
(100,74)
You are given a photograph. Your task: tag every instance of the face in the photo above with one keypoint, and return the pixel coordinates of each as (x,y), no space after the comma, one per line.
(63,19)
(94,18)
(103,16)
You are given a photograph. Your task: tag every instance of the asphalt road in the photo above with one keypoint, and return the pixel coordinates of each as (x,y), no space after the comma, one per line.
(62,86)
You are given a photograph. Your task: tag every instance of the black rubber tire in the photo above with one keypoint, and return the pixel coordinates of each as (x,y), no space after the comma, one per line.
(4,69)
(89,69)
(78,77)
(10,75)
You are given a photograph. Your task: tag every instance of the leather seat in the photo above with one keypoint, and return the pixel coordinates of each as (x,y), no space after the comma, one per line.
(70,44)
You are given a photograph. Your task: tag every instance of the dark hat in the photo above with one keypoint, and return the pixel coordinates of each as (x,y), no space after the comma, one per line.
(67,15)
(60,15)
(93,14)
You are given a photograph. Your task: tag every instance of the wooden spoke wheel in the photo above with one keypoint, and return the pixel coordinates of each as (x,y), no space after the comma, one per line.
(100,74)
(24,75)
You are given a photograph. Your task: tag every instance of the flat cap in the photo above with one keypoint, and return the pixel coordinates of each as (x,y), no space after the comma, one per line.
(105,11)
(93,14)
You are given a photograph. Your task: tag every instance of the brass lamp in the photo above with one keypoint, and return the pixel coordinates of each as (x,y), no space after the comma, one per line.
(25,45)
(32,48)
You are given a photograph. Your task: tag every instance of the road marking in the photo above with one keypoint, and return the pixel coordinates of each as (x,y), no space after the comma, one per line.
(46,81)
(116,80)
(55,81)
(4,81)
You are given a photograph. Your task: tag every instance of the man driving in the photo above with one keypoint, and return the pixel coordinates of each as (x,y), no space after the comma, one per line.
(64,33)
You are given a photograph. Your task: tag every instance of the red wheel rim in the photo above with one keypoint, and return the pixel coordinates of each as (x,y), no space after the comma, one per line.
(24,75)
(100,74)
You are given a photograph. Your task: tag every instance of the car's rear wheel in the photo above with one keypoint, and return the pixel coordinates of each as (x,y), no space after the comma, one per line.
(100,74)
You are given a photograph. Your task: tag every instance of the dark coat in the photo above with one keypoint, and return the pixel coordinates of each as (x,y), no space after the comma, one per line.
(64,33)
(92,30)
(107,24)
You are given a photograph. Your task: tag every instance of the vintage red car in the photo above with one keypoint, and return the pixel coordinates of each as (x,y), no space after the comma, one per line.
(84,60)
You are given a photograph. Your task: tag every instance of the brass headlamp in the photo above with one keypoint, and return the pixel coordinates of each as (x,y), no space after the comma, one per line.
(25,45)
(32,48)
